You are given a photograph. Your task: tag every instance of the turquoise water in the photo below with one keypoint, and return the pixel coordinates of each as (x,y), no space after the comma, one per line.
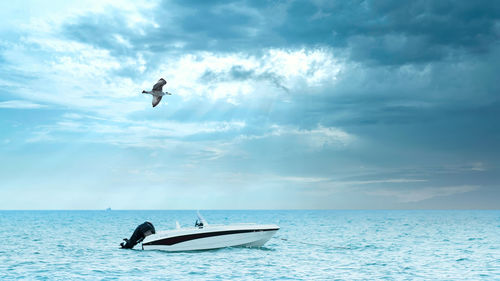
(311,245)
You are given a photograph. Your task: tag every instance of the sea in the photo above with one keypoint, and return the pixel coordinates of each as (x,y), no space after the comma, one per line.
(311,245)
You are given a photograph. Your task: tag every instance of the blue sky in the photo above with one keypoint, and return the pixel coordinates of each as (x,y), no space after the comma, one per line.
(277,104)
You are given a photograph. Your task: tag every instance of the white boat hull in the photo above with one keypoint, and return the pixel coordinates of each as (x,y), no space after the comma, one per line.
(210,237)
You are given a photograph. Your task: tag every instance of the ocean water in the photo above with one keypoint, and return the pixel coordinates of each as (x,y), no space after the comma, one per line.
(311,245)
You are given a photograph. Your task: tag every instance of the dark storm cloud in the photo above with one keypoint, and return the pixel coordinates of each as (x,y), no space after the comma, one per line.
(201,27)
(395,32)
(426,83)
(414,104)
(381,32)
(451,46)
(239,73)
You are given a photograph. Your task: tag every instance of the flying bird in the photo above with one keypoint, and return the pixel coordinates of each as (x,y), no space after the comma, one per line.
(157,91)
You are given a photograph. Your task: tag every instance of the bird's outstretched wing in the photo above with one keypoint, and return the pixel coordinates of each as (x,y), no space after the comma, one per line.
(156,100)
(159,85)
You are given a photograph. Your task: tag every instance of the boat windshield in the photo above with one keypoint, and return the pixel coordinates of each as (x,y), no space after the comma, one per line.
(200,222)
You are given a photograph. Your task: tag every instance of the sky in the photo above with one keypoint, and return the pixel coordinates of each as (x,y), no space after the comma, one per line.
(276,104)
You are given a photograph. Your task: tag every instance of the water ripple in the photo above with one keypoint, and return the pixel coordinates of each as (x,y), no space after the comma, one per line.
(311,245)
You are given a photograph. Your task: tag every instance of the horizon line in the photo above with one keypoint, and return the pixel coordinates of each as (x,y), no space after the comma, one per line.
(108,210)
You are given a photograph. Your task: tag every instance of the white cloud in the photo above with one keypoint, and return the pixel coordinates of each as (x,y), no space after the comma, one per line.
(462,167)
(317,138)
(150,134)
(67,73)
(40,136)
(325,136)
(406,195)
(477,166)
(294,68)
(383,181)
(329,185)
(20,104)
(305,180)
(84,77)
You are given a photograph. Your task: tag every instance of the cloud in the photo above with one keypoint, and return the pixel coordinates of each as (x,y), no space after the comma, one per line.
(335,184)
(213,137)
(406,195)
(383,32)
(462,167)
(134,133)
(319,137)
(393,32)
(305,180)
(362,182)
(315,139)
(20,104)
(101,60)
(318,95)
(185,142)
(238,76)
(93,77)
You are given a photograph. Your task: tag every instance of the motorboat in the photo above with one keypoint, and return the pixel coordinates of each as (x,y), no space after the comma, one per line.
(202,236)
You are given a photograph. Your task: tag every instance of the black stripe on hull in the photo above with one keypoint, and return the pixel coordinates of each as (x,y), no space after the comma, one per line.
(183,238)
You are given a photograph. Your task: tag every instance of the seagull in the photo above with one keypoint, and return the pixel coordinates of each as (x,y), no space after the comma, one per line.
(157,92)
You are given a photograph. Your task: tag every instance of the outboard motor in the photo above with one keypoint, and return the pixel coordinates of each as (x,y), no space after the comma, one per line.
(141,232)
